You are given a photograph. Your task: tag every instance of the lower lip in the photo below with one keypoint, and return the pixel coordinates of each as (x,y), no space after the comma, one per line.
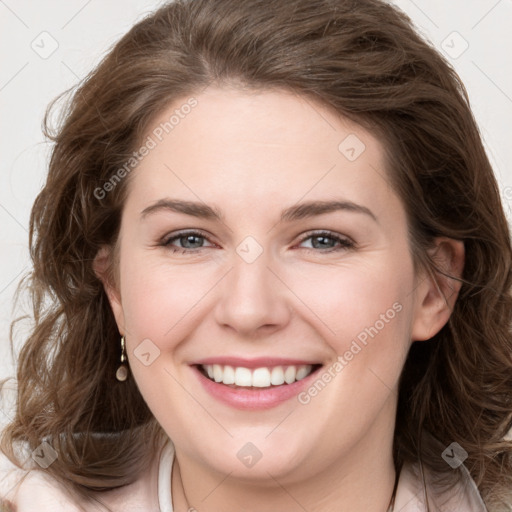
(254,398)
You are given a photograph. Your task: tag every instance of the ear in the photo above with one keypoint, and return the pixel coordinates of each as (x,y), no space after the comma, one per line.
(102,266)
(436,293)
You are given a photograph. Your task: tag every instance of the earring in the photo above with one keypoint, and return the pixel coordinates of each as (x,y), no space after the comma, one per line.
(122,371)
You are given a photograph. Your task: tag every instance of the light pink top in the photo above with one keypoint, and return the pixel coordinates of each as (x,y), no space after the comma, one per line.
(152,493)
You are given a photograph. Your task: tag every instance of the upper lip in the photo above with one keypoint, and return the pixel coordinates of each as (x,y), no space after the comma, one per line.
(257,362)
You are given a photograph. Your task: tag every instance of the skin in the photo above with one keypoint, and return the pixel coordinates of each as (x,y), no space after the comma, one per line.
(251,155)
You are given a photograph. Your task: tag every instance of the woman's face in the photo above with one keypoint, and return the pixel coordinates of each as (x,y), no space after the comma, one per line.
(298,257)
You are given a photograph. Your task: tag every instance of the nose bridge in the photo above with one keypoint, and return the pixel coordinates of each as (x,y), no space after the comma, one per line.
(252,296)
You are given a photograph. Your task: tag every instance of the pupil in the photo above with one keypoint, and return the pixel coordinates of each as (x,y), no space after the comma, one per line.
(322,244)
(190,239)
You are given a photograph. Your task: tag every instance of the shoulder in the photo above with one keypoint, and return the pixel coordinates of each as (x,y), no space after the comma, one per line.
(29,488)
(35,490)
(417,486)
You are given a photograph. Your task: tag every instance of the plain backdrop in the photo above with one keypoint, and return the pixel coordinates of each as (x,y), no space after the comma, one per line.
(46,46)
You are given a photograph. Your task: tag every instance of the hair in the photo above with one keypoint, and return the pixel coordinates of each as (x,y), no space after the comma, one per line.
(362,59)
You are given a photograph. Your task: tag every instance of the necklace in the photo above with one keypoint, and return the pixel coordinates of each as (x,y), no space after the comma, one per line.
(164,482)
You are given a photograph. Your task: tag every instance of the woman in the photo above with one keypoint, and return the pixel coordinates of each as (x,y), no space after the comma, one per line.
(278,271)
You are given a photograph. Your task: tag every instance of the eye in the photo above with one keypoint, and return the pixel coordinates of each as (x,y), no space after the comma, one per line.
(191,241)
(194,241)
(327,241)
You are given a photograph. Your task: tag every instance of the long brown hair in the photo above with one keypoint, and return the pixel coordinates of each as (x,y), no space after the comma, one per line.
(364,60)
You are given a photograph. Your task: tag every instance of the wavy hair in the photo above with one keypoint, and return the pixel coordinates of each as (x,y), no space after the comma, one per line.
(364,60)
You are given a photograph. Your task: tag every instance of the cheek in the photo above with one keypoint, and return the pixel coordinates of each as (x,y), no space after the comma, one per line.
(162,305)
(158,296)
(355,301)
(365,316)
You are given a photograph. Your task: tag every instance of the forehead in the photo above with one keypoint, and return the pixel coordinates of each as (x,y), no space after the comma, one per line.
(249,145)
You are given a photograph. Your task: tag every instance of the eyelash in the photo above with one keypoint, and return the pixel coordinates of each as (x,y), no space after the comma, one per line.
(345,243)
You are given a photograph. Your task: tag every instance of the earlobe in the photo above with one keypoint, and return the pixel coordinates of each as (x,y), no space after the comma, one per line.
(438,289)
(102,268)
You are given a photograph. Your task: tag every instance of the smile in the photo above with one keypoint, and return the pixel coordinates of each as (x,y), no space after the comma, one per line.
(257,378)
(255,384)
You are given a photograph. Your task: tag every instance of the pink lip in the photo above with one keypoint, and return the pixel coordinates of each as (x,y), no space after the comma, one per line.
(253,398)
(258,362)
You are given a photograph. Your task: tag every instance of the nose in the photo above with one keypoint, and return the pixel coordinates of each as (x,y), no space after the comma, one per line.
(252,299)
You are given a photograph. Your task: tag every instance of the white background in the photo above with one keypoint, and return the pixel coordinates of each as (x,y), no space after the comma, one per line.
(85,29)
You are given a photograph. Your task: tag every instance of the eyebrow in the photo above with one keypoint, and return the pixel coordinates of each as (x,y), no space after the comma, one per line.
(296,212)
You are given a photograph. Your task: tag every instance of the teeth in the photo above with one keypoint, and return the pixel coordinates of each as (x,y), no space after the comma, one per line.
(243,377)
(259,377)
(277,376)
(289,374)
(228,376)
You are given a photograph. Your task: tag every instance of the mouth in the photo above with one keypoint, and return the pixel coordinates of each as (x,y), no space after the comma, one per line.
(255,384)
(264,377)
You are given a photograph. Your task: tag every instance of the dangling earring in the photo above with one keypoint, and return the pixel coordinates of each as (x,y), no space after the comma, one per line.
(122,371)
